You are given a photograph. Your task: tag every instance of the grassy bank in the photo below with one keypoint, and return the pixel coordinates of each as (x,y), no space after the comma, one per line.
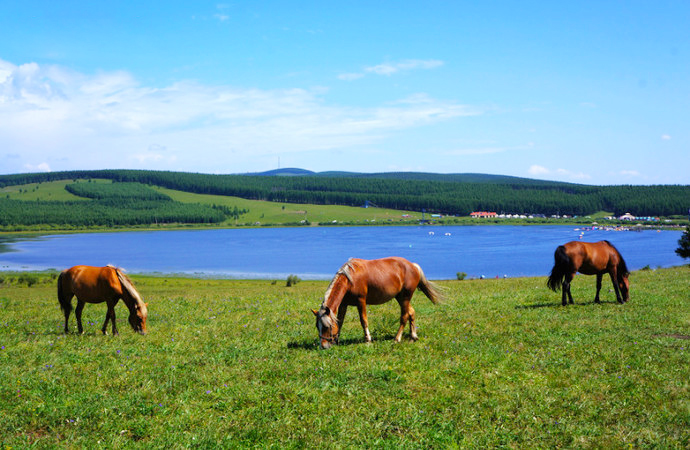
(235,363)
(254,213)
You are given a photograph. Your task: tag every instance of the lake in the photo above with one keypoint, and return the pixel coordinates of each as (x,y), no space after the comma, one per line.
(318,252)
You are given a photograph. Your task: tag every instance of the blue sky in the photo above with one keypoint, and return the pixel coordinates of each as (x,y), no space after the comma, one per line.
(593,92)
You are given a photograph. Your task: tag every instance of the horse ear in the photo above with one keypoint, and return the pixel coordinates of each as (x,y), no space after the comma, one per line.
(315,312)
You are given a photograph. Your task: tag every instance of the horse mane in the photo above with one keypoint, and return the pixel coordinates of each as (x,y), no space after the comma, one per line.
(127,284)
(622,267)
(344,271)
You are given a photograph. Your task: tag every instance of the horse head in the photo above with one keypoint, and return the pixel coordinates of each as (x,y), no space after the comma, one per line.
(327,325)
(137,317)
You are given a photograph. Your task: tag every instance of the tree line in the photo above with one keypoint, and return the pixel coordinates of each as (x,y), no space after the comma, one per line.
(116,204)
(426,192)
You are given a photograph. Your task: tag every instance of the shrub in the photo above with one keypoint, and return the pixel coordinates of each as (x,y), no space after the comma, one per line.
(461,275)
(29,280)
(292,280)
(683,249)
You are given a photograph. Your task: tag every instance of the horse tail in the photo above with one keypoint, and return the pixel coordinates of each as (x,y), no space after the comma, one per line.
(622,267)
(432,291)
(561,267)
(65,304)
(127,285)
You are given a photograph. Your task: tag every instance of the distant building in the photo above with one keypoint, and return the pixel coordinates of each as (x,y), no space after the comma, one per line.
(628,216)
(483,214)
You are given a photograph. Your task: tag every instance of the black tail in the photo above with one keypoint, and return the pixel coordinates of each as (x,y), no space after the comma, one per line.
(561,267)
(65,304)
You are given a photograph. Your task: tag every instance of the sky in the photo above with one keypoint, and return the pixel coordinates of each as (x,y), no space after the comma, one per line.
(591,92)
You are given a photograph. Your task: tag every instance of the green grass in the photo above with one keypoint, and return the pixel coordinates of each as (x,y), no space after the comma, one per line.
(271,213)
(235,364)
(53,190)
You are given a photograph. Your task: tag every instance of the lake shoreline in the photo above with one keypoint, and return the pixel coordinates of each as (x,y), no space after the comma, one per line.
(444,252)
(463,223)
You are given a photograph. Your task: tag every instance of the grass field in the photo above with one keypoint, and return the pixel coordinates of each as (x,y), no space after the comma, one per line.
(236,364)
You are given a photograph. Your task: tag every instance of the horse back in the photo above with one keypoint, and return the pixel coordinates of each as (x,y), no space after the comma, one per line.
(591,258)
(91,284)
(379,280)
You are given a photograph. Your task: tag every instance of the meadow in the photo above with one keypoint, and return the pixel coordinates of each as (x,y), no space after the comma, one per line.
(235,363)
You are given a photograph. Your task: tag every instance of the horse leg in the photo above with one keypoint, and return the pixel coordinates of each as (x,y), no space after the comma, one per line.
(110,315)
(565,288)
(362,309)
(570,295)
(105,323)
(614,276)
(77,313)
(413,327)
(406,314)
(66,304)
(596,297)
(112,318)
(341,319)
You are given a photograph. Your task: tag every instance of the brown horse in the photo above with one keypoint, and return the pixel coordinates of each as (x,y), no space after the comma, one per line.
(589,258)
(96,285)
(361,282)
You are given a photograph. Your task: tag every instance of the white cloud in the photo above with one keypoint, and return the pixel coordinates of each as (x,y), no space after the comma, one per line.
(538,170)
(488,150)
(75,120)
(410,64)
(42,167)
(350,76)
(573,175)
(630,173)
(390,68)
(665,137)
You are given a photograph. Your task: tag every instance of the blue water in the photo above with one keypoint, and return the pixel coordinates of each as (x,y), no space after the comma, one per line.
(317,252)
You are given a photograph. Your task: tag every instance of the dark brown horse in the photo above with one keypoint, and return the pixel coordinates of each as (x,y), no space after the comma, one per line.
(361,282)
(96,285)
(589,258)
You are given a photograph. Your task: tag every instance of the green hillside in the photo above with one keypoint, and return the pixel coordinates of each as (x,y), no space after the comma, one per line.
(139,198)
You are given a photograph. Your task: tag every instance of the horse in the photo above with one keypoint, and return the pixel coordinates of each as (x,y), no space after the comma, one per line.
(589,258)
(96,285)
(361,282)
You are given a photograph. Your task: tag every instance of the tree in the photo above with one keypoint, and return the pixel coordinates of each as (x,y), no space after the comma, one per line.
(683,249)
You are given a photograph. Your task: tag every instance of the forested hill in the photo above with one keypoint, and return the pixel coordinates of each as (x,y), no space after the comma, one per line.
(448,194)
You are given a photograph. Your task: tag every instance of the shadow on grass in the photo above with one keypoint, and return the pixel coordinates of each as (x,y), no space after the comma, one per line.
(558,304)
(314,343)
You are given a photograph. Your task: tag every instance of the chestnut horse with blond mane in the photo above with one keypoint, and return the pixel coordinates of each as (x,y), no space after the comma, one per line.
(589,258)
(361,282)
(96,285)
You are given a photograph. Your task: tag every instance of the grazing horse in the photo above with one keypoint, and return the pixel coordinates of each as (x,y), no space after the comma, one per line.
(589,258)
(361,282)
(96,285)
